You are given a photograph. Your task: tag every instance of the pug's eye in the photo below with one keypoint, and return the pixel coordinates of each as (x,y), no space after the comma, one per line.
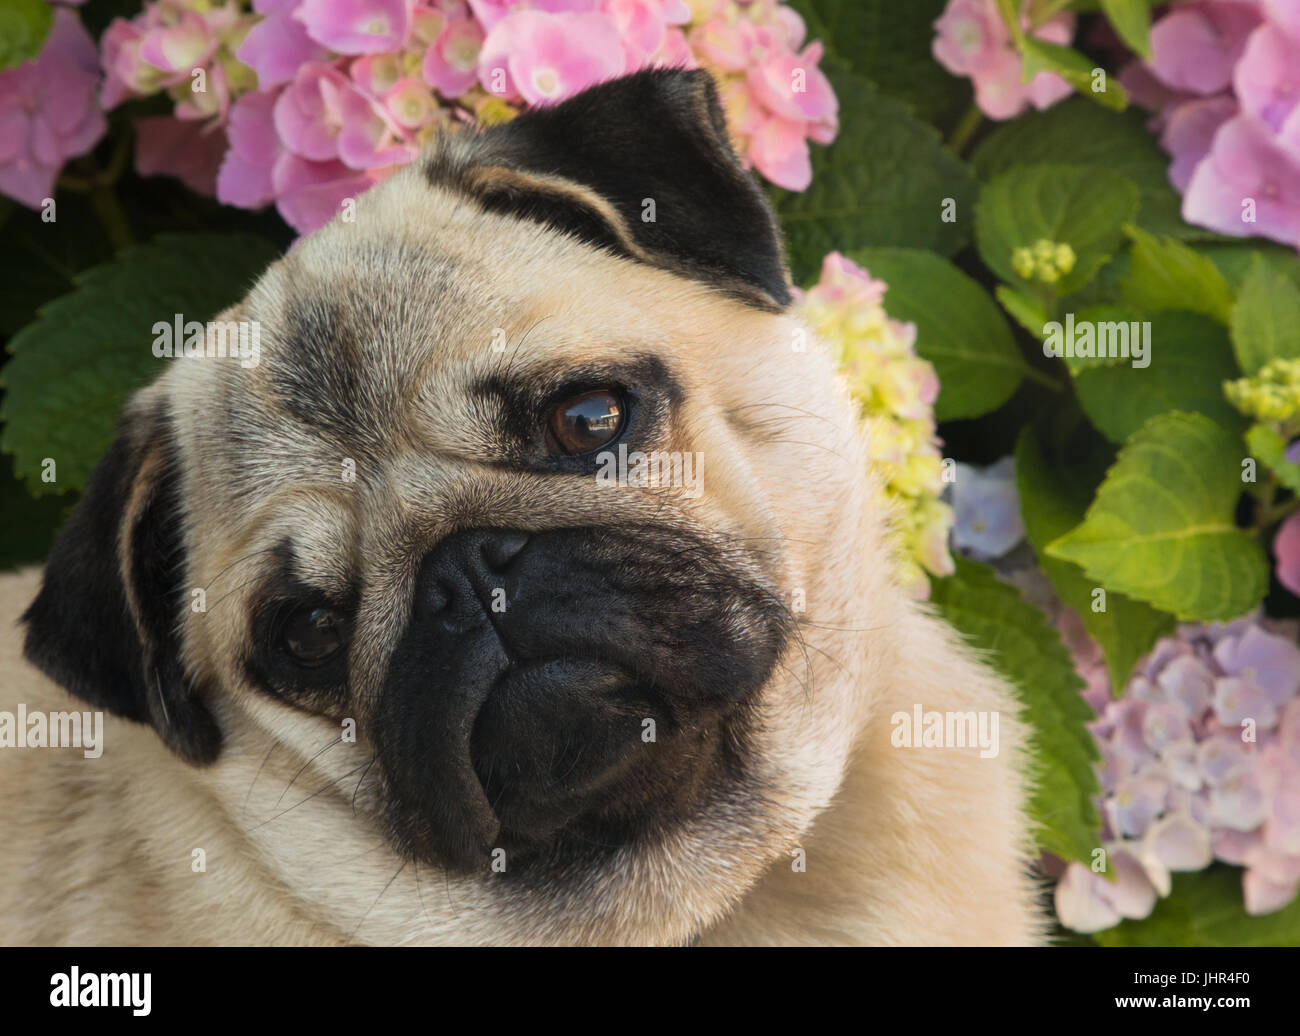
(314,635)
(587,421)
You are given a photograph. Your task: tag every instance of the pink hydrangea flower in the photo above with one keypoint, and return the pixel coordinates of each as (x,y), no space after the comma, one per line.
(644,26)
(245,175)
(1224,80)
(408,104)
(310,194)
(1245,173)
(973,40)
(548,58)
(775,96)
(371,137)
(364,83)
(176,49)
(1189,132)
(791,85)
(971,35)
(188,150)
(1286,554)
(309,112)
(48,111)
(1267,82)
(1285,14)
(1195,46)
(275,48)
(258,169)
(356,26)
(451,62)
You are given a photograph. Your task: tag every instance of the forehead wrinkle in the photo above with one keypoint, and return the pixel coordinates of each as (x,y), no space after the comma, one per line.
(349,331)
(436,389)
(262,450)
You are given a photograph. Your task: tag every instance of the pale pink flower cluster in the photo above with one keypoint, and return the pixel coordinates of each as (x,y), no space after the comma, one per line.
(1224,76)
(895,391)
(973,40)
(1200,761)
(48,111)
(309,102)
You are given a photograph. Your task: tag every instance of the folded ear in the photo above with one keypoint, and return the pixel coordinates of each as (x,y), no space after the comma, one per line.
(105,623)
(641,165)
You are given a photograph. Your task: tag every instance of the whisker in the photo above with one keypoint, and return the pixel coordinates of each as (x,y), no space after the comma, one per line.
(274,745)
(254,554)
(361,782)
(377,899)
(336,741)
(318,791)
(247,582)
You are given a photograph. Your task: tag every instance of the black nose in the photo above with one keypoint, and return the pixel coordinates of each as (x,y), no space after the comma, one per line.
(463,577)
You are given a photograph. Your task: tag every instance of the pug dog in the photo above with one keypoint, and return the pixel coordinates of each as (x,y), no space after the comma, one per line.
(385,658)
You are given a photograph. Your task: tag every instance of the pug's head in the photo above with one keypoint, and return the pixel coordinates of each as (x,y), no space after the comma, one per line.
(531,483)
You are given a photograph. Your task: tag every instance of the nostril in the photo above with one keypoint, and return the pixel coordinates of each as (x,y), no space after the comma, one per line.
(436,597)
(500,548)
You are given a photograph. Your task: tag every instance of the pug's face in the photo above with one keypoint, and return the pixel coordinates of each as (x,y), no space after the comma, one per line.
(421,512)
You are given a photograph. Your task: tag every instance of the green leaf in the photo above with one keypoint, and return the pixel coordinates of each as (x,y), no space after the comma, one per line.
(1132,20)
(1167,274)
(86,351)
(24,24)
(1097,316)
(1267,445)
(1234,259)
(1103,289)
(1084,134)
(1053,500)
(1025,310)
(1205,909)
(1162,528)
(1084,208)
(1190,359)
(1265,318)
(1027,650)
(883,182)
(889,44)
(958,329)
(1074,68)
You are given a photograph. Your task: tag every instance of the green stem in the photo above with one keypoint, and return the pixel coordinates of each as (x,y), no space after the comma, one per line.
(91,177)
(1272,515)
(1034,374)
(961,136)
(1267,511)
(112,216)
(1047,10)
(1010,11)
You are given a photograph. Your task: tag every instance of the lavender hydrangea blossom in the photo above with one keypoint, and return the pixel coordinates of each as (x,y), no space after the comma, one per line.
(1200,761)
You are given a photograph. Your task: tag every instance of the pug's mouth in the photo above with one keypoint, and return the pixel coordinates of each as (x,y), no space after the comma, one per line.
(560,687)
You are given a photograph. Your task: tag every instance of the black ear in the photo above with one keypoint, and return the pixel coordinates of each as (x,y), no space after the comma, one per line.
(105,623)
(594,164)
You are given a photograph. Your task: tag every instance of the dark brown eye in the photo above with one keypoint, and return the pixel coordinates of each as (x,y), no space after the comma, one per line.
(314,635)
(587,421)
